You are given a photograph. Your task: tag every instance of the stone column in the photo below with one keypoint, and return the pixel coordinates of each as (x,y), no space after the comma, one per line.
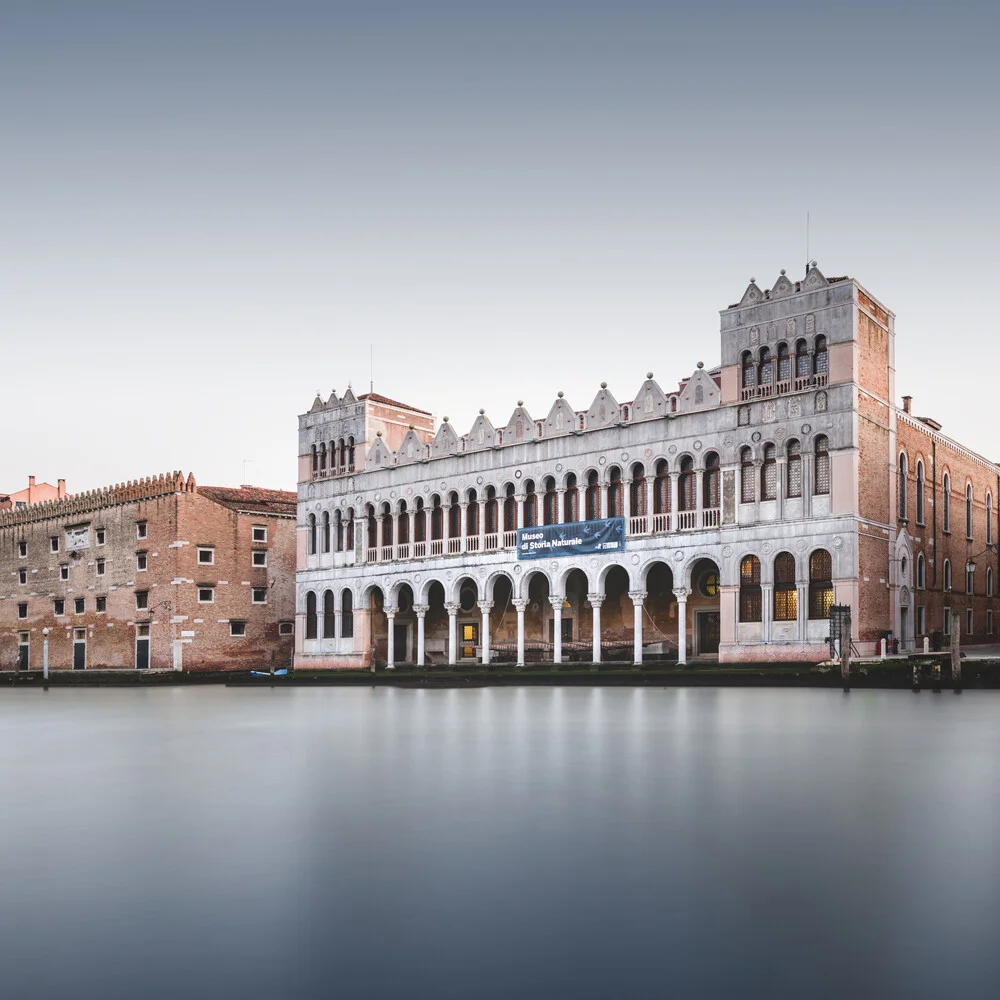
(338,623)
(556,603)
(803,611)
(482,525)
(395,534)
(638,596)
(378,536)
(421,613)
(485,607)
(682,594)
(452,610)
(463,525)
(675,498)
(411,529)
(648,508)
(390,640)
(766,610)
(520,603)
(560,509)
(604,500)
(596,600)
(519,500)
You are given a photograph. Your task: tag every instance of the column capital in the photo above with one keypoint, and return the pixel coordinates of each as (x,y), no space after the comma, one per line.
(485,606)
(421,609)
(556,601)
(682,594)
(452,609)
(390,612)
(520,603)
(638,596)
(596,600)
(464,504)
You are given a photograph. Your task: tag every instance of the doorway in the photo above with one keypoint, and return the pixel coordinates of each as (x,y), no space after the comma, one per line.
(142,647)
(79,649)
(708,632)
(401,642)
(22,650)
(470,640)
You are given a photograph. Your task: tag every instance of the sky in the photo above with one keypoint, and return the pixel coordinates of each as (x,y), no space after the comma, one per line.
(209,211)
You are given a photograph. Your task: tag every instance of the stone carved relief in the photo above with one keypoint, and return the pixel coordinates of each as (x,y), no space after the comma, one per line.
(820,402)
(754,336)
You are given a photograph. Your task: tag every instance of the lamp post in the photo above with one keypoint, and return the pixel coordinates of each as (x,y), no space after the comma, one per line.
(45,653)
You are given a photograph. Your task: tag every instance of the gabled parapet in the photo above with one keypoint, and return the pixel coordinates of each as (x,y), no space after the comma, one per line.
(562,419)
(379,454)
(445,441)
(700,392)
(650,401)
(521,426)
(411,449)
(481,435)
(605,410)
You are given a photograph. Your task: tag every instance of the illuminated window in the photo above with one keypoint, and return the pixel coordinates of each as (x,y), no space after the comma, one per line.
(786,595)
(820,584)
(750,593)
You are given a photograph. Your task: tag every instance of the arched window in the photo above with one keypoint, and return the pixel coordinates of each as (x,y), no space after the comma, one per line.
(822,465)
(920,491)
(530,499)
(766,366)
(387,538)
(315,460)
(333,458)
(710,482)
(794,453)
(749,371)
(615,492)
(312,534)
(571,500)
(349,543)
(509,509)
(326,531)
(343,455)
(989,581)
(901,485)
(946,503)
(786,594)
(322,459)
(593,499)
(769,474)
(637,491)
(747,491)
(970,577)
(750,593)
(822,358)
(549,512)
(329,631)
(947,574)
(820,584)
(661,495)
(492,511)
(338,531)
(346,615)
(350,454)
(968,510)
(372,526)
(989,518)
(803,369)
(686,485)
(310,615)
(472,514)
(784,364)
(921,571)
(403,524)
(454,516)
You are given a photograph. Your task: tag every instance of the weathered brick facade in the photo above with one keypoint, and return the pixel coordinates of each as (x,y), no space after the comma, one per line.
(158,573)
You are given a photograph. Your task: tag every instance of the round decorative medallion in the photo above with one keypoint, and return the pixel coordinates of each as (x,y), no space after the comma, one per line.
(427,488)
(635,560)
(679,555)
(343,501)
(359,499)
(624,456)
(392,495)
(479,479)
(765,547)
(727,551)
(801,545)
(779,433)
(672,449)
(517,473)
(727,440)
(559,467)
(806,428)
(517,569)
(378,496)
(697,446)
(554,567)
(838,542)
(755,437)
(448,575)
(594,563)
(444,486)
(602,460)
(409,491)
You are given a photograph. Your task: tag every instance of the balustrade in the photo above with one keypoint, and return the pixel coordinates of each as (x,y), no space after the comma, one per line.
(637,525)
(454,546)
(711,517)
(386,554)
(403,550)
(661,523)
(492,542)
(437,546)
(687,520)
(510,539)
(472,543)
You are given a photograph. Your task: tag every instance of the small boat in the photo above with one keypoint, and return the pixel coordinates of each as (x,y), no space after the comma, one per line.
(265,673)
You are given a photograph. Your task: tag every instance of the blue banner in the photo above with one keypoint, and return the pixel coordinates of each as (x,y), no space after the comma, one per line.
(571,539)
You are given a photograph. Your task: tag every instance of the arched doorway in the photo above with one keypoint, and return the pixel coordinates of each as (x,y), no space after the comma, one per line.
(704,607)
(659,629)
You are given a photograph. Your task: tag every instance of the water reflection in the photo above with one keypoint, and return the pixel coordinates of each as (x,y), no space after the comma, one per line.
(567,842)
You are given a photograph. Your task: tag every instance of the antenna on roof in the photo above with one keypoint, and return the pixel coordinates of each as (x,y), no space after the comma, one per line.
(371,368)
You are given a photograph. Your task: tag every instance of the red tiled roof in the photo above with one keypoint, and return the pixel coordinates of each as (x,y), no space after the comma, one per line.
(253,499)
(377,398)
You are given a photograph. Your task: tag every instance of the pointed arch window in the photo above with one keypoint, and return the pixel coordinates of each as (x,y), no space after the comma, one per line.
(803,368)
(637,491)
(749,371)
(549,512)
(747,476)
(751,602)
(822,359)
(968,510)
(920,491)
(329,619)
(769,474)
(822,465)
(615,493)
(921,571)
(326,531)
(661,495)
(901,485)
(786,594)
(989,518)
(530,508)
(946,503)
(571,500)
(349,541)
(593,498)
(686,498)
(710,482)
(947,574)
(312,534)
(310,615)
(784,364)
(820,584)
(794,452)
(766,366)
(338,531)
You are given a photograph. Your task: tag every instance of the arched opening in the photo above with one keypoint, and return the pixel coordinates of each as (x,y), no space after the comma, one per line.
(387,540)
(615,500)
(593,499)
(322,459)
(509,510)
(403,530)
(530,504)
(338,530)
(404,627)
(571,500)
(711,497)
(637,491)
(920,491)
(686,500)
(822,487)
(311,546)
(703,606)
(329,618)
(346,615)
(617,619)
(310,615)
(537,615)
(492,526)
(437,525)
(661,497)
(378,624)
(901,471)
(921,571)
(747,491)
(472,516)
(946,502)
(769,474)
(349,532)
(549,511)
(793,455)
(659,614)
(577,623)
(968,510)
(784,368)
(469,620)
(947,574)
(503,620)
(820,584)
(786,594)
(454,520)
(751,601)
(420,527)
(372,528)
(821,360)
(749,378)
(766,367)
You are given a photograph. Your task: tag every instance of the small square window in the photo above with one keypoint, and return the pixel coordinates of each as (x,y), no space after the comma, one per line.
(206,595)
(259,595)
(64,571)
(100,536)
(22,610)
(100,567)
(102,605)
(59,607)
(140,562)
(237,628)
(22,549)
(259,533)
(140,529)
(260,558)
(54,543)
(142,600)
(22,576)
(285,628)
(79,606)
(206,557)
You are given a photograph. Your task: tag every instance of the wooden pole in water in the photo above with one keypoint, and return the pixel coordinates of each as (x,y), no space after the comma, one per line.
(956,654)
(845,658)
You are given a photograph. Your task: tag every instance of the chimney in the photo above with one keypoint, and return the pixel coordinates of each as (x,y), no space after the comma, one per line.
(906,403)
(31,481)
(62,488)
(31,488)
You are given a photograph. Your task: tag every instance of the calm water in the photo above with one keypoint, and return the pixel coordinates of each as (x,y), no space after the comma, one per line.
(488,843)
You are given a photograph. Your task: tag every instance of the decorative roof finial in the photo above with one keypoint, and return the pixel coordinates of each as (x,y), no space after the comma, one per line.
(604,385)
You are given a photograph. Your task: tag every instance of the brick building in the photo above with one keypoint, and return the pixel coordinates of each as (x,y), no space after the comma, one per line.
(721,518)
(155,573)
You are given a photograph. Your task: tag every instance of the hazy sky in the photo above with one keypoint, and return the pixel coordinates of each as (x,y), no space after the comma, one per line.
(209,210)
